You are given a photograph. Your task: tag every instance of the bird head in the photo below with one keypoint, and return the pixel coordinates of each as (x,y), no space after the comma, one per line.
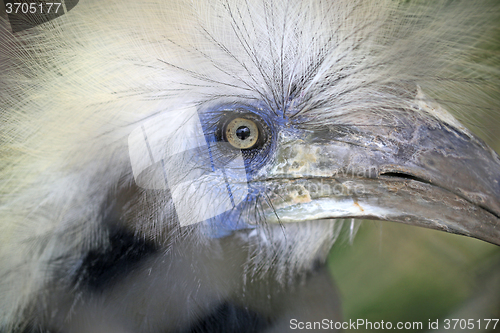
(271,124)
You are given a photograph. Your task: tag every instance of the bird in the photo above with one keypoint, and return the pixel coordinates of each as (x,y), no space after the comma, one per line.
(186,166)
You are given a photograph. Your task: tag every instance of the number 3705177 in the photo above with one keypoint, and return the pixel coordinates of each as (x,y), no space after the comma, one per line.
(32,8)
(470,324)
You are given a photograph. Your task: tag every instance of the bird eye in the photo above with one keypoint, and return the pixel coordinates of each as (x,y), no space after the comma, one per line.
(242,133)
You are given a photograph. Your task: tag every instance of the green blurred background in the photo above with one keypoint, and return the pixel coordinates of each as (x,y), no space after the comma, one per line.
(394,272)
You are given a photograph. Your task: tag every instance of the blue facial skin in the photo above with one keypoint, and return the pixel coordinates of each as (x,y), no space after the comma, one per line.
(212,121)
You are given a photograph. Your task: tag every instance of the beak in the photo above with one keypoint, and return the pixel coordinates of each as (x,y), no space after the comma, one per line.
(421,171)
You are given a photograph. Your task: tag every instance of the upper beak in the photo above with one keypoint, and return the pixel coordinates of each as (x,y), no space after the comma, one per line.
(422,172)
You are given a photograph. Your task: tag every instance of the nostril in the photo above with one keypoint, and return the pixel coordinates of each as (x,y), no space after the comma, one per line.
(405,176)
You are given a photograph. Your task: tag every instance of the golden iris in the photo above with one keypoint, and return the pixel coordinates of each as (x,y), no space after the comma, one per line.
(242,133)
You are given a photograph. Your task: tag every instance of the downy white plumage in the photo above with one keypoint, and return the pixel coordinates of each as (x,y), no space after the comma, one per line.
(74,88)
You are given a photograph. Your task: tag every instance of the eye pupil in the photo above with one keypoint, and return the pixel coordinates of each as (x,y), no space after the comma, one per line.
(243,132)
